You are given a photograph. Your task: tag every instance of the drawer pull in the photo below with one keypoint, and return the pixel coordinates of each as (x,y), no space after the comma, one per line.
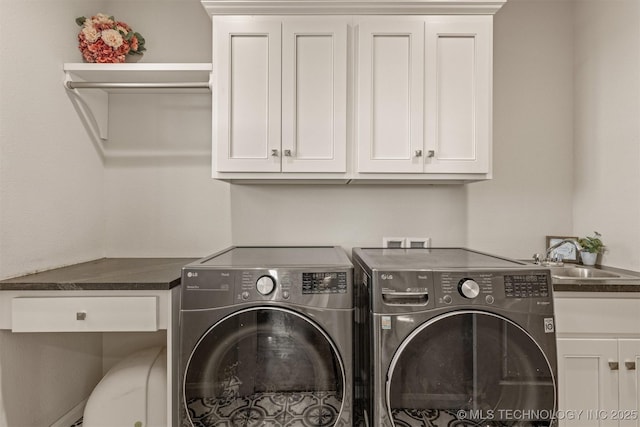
(630,365)
(613,366)
(81,315)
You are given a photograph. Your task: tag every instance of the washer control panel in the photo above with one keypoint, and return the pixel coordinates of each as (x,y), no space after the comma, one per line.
(526,285)
(492,288)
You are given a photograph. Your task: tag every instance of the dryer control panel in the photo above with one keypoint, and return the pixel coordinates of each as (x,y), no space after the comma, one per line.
(211,288)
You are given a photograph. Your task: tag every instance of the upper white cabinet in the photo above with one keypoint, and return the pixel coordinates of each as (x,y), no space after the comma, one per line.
(279,91)
(424,95)
(458,87)
(390,96)
(370,91)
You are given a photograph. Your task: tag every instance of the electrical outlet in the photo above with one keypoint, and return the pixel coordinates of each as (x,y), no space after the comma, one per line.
(393,242)
(417,242)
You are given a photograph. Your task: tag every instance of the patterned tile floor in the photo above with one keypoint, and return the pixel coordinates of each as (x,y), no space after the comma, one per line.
(448,418)
(295,409)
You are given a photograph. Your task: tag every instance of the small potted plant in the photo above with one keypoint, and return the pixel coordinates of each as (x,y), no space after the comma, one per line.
(591,247)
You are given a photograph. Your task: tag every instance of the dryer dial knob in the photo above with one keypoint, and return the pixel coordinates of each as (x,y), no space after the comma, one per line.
(468,288)
(265,285)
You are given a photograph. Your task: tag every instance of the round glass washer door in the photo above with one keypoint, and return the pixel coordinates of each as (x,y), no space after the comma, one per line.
(474,366)
(264,366)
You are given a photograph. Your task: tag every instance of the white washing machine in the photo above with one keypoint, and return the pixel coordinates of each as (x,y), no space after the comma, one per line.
(453,337)
(266,338)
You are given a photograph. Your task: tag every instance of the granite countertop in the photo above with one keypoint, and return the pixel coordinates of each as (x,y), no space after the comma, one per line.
(105,274)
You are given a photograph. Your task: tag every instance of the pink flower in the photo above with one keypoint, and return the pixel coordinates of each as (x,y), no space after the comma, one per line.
(102,39)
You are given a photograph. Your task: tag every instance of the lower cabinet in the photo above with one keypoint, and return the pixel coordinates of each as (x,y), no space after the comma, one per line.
(598,356)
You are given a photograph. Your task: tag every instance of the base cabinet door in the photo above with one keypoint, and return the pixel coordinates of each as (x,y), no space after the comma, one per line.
(629,355)
(587,381)
(598,382)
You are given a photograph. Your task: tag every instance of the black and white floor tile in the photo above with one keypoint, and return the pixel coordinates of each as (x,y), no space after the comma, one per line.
(296,409)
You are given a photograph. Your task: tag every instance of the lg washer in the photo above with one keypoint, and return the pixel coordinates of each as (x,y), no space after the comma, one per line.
(266,338)
(453,337)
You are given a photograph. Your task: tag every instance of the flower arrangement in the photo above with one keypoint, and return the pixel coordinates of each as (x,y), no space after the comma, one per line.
(103,39)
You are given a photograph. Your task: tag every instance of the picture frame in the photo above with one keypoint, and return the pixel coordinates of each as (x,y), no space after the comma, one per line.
(568,252)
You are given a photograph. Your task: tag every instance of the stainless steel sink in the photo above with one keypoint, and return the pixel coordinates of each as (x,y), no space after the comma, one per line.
(574,272)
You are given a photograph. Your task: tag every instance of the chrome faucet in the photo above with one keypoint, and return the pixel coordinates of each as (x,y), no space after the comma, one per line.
(556,261)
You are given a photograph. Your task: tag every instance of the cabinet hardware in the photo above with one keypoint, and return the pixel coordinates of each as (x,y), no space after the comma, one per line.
(630,365)
(418,153)
(613,366)
(274,152)
(431,153)
(81,315)
(287,153)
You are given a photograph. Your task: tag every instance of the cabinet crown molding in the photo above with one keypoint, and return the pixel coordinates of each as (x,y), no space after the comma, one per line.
(351,7)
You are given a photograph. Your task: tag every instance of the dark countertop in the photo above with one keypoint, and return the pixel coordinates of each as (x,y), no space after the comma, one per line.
(105,274)
(629,283)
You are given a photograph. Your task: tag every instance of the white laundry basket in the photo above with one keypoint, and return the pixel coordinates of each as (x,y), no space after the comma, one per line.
(132,394)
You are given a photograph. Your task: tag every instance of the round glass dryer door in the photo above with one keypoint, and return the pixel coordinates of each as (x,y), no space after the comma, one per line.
(472,366)
(264,366)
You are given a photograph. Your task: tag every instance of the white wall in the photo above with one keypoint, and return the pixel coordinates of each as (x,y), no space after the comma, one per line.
(607,127)
(530,194)
(347,215)
(43,376)
(51,178)
(159,195)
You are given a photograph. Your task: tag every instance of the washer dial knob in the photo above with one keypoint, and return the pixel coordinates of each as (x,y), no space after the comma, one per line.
(468,288)
(265,285)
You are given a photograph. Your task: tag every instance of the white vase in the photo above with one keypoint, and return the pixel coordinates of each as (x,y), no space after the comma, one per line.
(588,258)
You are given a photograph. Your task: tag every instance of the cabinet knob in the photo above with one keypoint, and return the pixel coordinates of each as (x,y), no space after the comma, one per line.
(274,152)
(81,315)
(613,366)
(630,365)
(287,153)
(418,153)
(431,153)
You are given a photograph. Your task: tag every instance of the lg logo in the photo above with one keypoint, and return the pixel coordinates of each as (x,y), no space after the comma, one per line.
(385,276)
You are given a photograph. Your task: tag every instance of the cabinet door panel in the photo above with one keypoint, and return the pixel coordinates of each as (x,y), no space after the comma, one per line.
(246,95)
(458,94)
(629,350)
(391,73)
(586,382)
(314,103)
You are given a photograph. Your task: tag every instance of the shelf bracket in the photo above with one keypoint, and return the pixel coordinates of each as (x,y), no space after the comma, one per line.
(93,109)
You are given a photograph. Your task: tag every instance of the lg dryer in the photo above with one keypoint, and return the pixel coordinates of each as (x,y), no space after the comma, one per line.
(453,337)
(266,338)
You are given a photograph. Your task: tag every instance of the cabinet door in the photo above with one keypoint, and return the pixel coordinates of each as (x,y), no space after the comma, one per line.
(629,353)
(458,94)
(314,95)
(390,96)
(586,381)
(246,93)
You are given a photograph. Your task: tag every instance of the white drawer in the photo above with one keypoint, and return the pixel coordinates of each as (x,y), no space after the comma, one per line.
(84,314)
